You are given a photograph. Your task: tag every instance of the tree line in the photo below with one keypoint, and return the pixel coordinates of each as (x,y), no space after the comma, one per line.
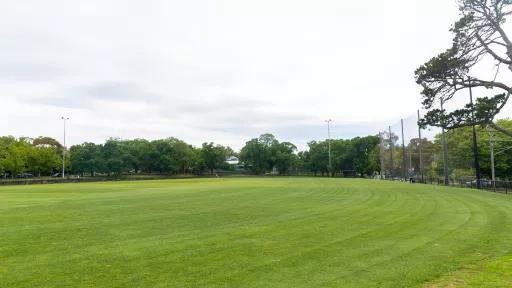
(39,156)
(359,156)
(164,156)
(42,156)
(459,150)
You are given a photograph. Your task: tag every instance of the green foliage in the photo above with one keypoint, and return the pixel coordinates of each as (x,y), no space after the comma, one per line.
(318,157)
(185,154)
(47,142)
(113,155)
(41,157)
(213,156)
(256,154)
(86,158)
(5,143)
(285,157)
(169,156)
(359,154)
(265,153)
(365,154)
(477,34)
(460,151)
(482,111)
(15,158)
(461,173)
(43,160)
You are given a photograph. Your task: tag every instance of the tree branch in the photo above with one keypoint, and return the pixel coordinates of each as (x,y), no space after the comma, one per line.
(490,51)
(500,129)
(482,83)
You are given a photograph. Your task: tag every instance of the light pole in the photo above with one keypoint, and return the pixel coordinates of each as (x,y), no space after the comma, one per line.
(492,140)
(381,155)
(329,144)
(491,146)
(391,148)
(475,144)
(404,164)
(421,152)
(445,150)
(64,119)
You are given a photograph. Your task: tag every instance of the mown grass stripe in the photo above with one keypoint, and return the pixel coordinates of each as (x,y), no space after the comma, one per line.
(246,232)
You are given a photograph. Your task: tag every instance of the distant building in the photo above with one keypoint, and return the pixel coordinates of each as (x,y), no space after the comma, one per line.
(232,160)
(235,163)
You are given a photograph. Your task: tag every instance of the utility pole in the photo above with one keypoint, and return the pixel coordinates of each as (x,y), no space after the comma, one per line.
(404,165)
(391,148)
(381,152)
(409,171)
(475,144)
(329,144)
(64,119)
(445,151)
(421,150)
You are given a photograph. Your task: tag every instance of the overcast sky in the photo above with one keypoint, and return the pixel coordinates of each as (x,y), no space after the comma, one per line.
(223,71)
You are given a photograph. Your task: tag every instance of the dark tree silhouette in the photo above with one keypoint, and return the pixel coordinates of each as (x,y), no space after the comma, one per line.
(478,34)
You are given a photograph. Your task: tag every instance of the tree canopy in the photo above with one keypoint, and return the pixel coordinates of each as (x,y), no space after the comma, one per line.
(478,35)
(360,156)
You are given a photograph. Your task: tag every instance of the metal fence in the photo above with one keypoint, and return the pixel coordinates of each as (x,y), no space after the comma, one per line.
(463,157)
(498,186)
(407,151)
(33,181)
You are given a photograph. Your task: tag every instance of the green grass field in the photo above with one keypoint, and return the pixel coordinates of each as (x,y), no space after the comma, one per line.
(254,232)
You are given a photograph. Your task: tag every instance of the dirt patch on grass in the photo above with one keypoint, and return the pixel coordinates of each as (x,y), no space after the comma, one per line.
(492,273)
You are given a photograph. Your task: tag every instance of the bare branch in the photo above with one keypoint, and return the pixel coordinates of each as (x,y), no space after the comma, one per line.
(490,51)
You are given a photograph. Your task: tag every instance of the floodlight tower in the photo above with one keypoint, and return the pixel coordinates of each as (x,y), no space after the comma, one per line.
(64,119)
(329,143)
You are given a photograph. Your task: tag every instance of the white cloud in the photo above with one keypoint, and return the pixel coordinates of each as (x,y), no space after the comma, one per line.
(221,70)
